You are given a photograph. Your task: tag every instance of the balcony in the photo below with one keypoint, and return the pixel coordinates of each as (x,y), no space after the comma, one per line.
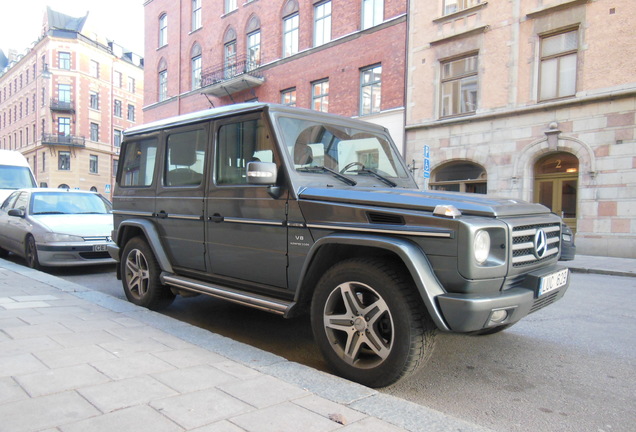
(63,140)
(62,106)
(231,78)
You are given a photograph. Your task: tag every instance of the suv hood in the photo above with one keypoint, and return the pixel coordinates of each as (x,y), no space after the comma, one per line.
(414,199)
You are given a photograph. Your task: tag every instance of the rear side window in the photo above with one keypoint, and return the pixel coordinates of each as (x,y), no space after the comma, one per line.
(185,158)
(138,166)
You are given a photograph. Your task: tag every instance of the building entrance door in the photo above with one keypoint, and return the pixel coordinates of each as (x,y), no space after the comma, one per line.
(556,185)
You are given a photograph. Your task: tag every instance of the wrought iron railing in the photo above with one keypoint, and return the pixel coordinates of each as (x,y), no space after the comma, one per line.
(58,105)
(229,70)
(65,140)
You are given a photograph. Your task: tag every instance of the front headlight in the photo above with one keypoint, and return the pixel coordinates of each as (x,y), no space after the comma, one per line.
(481,247)
(56,237)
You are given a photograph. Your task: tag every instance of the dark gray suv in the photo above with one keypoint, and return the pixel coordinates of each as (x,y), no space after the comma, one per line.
(294,211)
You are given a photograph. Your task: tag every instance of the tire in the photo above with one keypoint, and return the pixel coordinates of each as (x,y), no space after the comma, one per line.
(3,253)
(370,323)
(31,253)
(492,330)
(140,276)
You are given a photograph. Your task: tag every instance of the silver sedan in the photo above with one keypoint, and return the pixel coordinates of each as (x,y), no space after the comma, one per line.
(56,227)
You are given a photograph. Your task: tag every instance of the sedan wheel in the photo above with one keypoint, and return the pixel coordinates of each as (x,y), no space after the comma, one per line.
(140,272)
(31,253)
(369,322)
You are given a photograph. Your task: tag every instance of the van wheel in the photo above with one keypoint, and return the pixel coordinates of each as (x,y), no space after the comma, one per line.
(31,253)
(369,322)
(140,276)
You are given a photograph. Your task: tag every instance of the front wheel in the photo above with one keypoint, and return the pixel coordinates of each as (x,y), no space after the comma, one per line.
(140,276)
(31,253)
(370,323)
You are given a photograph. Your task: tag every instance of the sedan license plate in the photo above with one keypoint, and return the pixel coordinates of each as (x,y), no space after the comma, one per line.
(100,248)
(553,281)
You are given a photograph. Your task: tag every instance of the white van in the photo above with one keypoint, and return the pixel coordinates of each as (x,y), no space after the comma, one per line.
(15,173)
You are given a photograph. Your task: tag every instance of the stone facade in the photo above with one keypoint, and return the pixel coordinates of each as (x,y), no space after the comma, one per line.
(513,126)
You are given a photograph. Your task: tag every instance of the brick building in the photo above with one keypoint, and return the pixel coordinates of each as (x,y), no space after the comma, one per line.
(532,99)
(65,102)
(345,57)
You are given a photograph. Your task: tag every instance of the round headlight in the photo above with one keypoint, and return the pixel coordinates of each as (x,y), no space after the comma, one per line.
(482,246)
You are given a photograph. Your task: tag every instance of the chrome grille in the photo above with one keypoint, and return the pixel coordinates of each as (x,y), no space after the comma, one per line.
(97,238)
(523,252)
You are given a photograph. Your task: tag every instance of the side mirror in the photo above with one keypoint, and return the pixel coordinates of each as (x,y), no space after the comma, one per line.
(17,212)
(262,173)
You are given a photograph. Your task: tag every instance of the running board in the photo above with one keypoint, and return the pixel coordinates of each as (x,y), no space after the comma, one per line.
(269,304)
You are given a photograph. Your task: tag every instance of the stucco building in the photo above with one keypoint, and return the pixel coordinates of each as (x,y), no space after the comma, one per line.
(344,57)
(65,102)
(532,99)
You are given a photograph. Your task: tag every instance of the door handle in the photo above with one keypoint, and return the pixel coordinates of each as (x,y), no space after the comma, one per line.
(216,218)
(162,214)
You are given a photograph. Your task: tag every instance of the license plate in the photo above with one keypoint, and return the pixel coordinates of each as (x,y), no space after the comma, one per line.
(100,248)
(553,281)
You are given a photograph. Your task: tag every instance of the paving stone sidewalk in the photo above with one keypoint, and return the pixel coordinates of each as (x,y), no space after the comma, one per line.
(76,360)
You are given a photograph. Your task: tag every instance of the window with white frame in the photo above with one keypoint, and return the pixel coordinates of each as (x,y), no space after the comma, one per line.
(230,5)
(557,76)
(64,160)
(372,13)
(94,132)
(322,23)
(94,100)
(229,59)
(320,95)
(117,111)
(196,72)
(131,113)
(452,6)
(288,97)
(163,30)
(370,90)
(64,59)
(290,35)
(459,83)
(131,84)
(254,50)
(117,79)
(163,85)
(94,69)
(196,14)
(93,164)
(117,135)
(64,93)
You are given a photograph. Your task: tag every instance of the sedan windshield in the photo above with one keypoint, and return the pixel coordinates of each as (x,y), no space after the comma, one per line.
(325,148)
(68,203)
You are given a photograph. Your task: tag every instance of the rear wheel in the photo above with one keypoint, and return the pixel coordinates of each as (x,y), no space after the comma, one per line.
(140,276)
(31,253)
(369,322)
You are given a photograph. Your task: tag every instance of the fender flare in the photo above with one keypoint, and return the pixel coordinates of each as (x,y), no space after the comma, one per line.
(153,238)
(411,255)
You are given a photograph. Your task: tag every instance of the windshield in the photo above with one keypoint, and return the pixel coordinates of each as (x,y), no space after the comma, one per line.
(349,151)
(69,203)
(15,177)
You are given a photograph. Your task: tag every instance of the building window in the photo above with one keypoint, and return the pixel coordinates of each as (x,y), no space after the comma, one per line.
(131,113)
(229,59)
(558,65)
(64,160)
(64,59)
(63,126)
(117,108)
(43,167)
(290,35)
(117,138)
(320,96)
(163,30)
(372,13)
(131,84)
(253,50)
(451,6)
(230,5)
(322,23)
(196,72)
(94,132)
(459,86)
(370,90)
(94,69)
(94,100)
(288,97)
(459,177)
(196,14)
(64,93)
(163,85)
(117,79)
(93,164)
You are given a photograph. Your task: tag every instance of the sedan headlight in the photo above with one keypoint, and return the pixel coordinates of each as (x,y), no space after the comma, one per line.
(56,237)
(481,247)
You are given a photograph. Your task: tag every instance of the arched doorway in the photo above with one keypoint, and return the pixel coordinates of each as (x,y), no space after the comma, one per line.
(556,184)
(460,176)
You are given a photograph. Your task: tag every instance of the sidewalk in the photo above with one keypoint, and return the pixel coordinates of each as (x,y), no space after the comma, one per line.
(75,360)
(602,265)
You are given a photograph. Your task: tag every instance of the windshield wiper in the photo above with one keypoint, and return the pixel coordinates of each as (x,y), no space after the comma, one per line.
(322,169)
(48,213)
(378,176)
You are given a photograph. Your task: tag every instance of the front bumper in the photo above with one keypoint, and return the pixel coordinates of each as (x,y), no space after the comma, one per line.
(73,254)
(471,312)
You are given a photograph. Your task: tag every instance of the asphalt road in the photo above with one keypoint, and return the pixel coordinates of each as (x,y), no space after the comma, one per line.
(569,367)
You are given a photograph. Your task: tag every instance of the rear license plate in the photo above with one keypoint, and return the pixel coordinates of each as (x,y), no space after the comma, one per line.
(100,248)
(553,281)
